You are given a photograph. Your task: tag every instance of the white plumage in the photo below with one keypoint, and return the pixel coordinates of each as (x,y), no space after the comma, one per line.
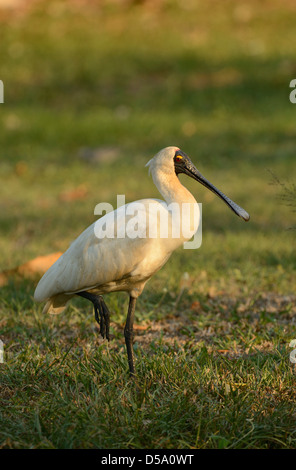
(93,266)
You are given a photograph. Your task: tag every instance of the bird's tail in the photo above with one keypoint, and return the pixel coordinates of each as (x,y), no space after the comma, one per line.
(56,304)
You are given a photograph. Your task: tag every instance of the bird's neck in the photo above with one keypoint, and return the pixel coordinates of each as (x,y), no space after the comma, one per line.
(169,186)
(185,220)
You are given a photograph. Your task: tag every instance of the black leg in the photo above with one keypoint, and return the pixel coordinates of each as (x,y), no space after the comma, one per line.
(102,314)
(128,334)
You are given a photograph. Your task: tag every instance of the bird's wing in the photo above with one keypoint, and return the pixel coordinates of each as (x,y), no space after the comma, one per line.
(95,259)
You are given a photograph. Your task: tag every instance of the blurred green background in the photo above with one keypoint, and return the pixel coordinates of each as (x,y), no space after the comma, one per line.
(94,89)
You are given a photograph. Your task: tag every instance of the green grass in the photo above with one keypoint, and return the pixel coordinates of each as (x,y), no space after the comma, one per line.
(212,353)
(219,379)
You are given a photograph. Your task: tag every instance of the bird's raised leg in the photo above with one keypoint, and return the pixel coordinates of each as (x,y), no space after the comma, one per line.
(102,314)
(129,335)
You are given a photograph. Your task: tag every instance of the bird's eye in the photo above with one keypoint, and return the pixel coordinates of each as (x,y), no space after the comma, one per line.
(178,159)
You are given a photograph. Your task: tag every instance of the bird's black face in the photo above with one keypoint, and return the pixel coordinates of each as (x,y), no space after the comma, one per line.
(183,164)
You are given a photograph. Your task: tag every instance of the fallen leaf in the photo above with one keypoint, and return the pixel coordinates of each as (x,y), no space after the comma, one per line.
(78,193)
(35,266)
(195,305)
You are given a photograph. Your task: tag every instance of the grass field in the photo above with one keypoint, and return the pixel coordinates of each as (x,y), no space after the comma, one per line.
(91,94)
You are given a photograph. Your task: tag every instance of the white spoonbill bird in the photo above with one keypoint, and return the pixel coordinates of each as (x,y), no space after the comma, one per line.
(108,256)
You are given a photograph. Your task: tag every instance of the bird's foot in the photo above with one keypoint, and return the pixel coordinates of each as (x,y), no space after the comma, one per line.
(102,316)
